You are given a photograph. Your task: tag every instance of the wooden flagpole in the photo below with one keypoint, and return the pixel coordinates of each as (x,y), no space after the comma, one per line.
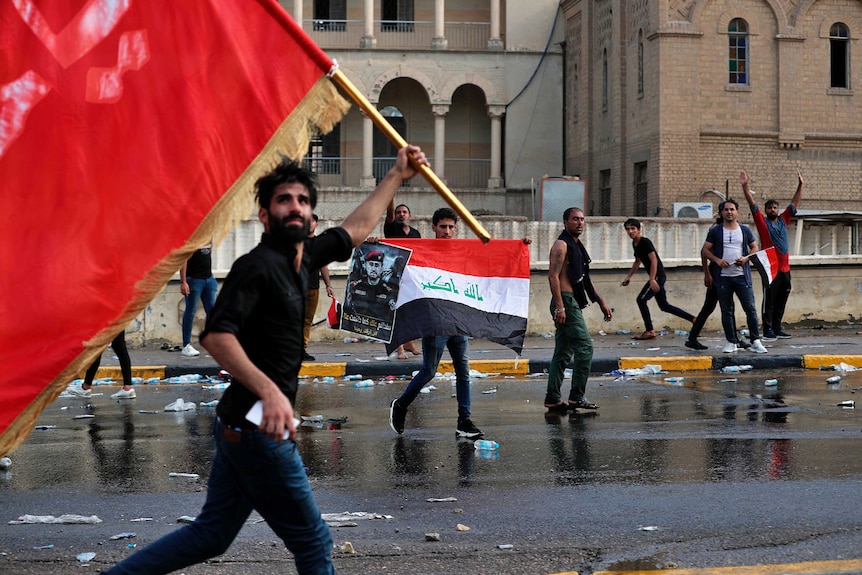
(400,142)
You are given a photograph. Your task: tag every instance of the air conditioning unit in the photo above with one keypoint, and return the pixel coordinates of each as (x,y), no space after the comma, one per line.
(692,210)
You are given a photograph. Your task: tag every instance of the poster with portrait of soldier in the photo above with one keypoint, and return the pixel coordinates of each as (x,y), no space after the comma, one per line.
(372,290)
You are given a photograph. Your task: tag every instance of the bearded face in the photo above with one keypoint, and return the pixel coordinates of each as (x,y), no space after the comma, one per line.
(292,228)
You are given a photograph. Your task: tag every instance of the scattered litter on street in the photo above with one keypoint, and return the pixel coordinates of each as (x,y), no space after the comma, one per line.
(126,535)
(505,546)
(347,547)
(180,405)
(85,557)
(441,500)
(185,519)
(432,537)
(648,528)
(49,546)
(188,475)
(461,527)
(67,519)
(331,518)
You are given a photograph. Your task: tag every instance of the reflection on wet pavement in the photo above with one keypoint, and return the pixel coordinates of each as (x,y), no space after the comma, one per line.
(646,432)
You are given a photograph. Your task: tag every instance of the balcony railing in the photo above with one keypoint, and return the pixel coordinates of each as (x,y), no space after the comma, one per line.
(347,172)
(411,35)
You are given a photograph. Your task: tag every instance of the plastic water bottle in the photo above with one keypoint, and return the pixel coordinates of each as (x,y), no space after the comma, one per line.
(364,383)
(486,444)
(353,377)
(674,379)
(681,332)
(730,369)
(833,379)
(771,382)
(216,386)
(351,340)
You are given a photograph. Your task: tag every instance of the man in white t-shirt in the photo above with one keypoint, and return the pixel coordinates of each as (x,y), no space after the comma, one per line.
(728,248)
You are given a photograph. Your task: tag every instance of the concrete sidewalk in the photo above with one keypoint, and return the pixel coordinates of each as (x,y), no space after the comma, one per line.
(809,348)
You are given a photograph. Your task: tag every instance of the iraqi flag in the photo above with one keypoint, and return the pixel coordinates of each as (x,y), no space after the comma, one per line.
(131,132)
(766,262)
(464,287)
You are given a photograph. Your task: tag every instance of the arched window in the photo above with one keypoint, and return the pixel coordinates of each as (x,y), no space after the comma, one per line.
(839,56)
(640,63)
(605,80)
(737,41)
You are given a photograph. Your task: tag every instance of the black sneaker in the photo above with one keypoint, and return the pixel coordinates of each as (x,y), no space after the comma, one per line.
(743,344)
(781,334)
(768,336)
(467,429)
(695,345)
(397,415)
(307,356)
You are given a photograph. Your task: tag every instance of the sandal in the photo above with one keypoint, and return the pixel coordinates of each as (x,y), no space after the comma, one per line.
(582,404)
(557,408)
(645,335)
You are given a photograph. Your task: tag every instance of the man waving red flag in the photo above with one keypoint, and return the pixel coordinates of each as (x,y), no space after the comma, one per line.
(130,134)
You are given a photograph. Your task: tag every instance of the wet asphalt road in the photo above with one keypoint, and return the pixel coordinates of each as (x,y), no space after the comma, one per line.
(722,473)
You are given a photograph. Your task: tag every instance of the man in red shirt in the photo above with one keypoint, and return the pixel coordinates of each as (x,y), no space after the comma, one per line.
(772,230)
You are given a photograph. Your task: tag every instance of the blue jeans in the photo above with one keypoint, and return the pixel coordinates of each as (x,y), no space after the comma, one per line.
(432,351)
(204,290)
(725,288)
(250,471)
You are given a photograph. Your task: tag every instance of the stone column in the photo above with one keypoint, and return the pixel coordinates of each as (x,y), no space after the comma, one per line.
(368,40)
(367,180)
(439,41)
(297,12)
(439,111)
(495,42)
(495,112)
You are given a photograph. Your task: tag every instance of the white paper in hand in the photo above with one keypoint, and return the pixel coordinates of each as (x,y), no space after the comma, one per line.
(255,415)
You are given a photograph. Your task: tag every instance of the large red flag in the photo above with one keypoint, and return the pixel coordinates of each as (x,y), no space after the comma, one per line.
(131,132)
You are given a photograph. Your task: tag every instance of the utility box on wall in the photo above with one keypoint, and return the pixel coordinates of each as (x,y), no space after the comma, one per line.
(701,210)
(556,194)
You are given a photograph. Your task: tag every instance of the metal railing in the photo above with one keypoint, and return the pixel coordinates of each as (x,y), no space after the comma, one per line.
(416,35)
(678,240)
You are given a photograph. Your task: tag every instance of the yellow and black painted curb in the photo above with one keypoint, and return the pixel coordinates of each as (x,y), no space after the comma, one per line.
(514,367)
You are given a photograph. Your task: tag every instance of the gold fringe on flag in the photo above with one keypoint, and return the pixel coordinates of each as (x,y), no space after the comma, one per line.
(319,111)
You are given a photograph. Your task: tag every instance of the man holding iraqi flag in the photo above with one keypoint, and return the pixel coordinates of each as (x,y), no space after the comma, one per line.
(451,290)
(774,262)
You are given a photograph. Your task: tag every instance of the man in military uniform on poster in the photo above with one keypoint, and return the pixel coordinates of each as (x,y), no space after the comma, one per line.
(372,296)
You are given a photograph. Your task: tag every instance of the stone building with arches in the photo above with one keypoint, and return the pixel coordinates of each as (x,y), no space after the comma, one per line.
(477,83)
(667,100)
